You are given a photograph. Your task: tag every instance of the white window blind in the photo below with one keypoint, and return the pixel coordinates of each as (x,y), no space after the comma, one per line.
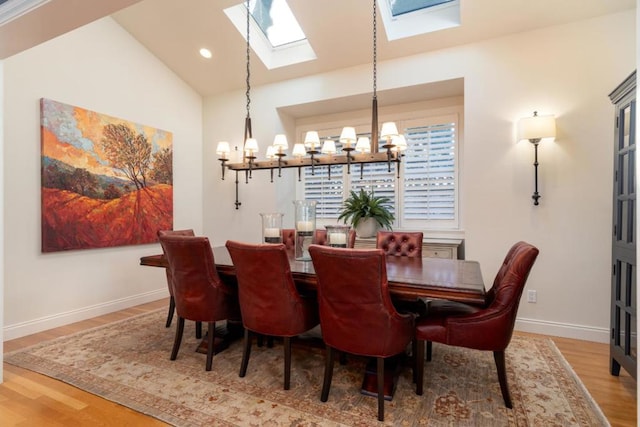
(425,196)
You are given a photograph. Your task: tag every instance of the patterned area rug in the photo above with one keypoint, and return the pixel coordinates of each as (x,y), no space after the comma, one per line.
(128,362)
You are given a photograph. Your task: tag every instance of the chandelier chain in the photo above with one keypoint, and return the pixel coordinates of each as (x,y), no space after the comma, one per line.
(375,51)
(248,64)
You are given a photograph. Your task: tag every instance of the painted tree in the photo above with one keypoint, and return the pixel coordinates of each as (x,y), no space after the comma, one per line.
(127,152)
(82,181)
(162,171)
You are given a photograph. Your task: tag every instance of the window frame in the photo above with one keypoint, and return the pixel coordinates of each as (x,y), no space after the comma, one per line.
(419,117)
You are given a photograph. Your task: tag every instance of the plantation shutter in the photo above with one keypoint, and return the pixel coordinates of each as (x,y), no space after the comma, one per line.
(327,192)
(429,182)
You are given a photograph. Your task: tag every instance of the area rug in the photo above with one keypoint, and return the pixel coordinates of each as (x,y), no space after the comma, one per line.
(128,362)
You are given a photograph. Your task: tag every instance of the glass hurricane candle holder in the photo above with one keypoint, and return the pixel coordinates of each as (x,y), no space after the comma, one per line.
(305,221)
(272,227)
(337,235)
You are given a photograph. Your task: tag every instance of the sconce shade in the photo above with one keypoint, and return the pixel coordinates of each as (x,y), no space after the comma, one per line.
(399,143)
(298,150)
(280,142)
(389,130)
(348,136)
(329,147)
(536,127)
(251,146)
(363,145)
(223,149)
(311,140)
(271,152)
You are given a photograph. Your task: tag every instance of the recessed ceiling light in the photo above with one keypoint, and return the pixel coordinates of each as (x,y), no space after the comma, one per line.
(206,53)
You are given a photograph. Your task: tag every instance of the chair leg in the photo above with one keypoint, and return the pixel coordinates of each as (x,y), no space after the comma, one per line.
(343,358)
(178,339)
(418,368)
(246,352)
(172,308)
(287,362)
(498,356)
(211,335)
(380,375)
(328,373)
(429,345)
(199,330)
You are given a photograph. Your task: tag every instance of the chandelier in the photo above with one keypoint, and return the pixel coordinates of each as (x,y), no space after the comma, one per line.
(311,152)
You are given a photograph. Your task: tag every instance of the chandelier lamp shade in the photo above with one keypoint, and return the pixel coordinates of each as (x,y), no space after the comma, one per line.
(354,148)
(534,129)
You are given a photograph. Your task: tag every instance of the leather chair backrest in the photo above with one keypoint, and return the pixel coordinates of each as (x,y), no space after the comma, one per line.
(356,312)
(398,243)
(196,284)
(269,300)
(498,318)
(185,232)
(289,238)
(321,238)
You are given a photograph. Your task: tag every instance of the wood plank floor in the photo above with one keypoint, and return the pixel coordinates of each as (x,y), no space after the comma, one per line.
(30,399)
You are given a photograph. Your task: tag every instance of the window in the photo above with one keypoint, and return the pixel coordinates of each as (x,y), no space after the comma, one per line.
(408,18)
(426,194)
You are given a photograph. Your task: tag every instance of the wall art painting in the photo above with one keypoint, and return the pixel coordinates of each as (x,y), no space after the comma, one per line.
(105,181)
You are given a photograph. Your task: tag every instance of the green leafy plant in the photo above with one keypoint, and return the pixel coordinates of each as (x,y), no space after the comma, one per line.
(362,205)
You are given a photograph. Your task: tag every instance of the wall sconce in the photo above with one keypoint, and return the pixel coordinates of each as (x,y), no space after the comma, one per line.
(534,129)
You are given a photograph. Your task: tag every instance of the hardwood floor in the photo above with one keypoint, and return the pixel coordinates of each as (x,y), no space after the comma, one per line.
(30,399)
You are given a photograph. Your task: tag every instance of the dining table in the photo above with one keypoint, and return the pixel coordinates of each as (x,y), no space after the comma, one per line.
(413,281)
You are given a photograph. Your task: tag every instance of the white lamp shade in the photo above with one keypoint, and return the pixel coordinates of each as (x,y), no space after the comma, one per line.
(389,130)
(363,145)
(311,139)
(271,152)
(223,149)
(280,142)
(536,127)
(329,147)
(399,143)
(299,150)
(251,146)
(348,135)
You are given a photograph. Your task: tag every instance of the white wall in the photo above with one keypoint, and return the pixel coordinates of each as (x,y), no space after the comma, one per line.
(1,216)
(99,67)
(565,70)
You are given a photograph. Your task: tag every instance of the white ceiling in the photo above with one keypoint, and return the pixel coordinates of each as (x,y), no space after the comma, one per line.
(340,32)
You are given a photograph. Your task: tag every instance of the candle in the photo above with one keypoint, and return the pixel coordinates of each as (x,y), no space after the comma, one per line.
(337,239)
(271,232)
(304,226)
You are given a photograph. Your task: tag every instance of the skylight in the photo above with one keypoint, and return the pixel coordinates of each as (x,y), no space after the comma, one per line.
(275,35)
(407,18)
(275,19)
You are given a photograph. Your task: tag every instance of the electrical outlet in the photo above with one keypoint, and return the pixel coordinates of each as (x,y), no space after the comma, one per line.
(532,296)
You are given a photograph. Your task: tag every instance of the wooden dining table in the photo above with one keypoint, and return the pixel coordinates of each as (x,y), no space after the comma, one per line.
(412,282)
(409,278)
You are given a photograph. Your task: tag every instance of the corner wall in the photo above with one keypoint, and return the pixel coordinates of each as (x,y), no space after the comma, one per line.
(102,68)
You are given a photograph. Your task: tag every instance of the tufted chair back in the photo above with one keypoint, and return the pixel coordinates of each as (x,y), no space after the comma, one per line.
(172,301)
(289,238)
(398,243)
(321,238)
(199,293)
(269,300)
(355,306)
(488,328)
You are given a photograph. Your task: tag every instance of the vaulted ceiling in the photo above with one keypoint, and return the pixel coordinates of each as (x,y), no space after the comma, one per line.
(340,32)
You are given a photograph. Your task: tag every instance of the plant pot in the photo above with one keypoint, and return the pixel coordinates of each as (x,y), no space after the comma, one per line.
(367,227)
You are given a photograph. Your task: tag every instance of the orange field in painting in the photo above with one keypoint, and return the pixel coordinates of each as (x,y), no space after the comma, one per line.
(72,221)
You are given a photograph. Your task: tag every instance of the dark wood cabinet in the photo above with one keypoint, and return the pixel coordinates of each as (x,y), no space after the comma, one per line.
(623,348)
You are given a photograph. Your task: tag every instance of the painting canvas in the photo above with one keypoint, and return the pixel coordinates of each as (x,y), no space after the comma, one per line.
(105,181)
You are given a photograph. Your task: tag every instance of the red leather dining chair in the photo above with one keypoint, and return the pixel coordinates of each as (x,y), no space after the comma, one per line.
(289,238)
(321,238)
(269,301)
(486,328)
(356,313)
(398,243)
(172,301)
(199,293)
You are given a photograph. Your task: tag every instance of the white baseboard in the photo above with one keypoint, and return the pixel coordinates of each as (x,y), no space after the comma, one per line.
(565,330)
(44,323)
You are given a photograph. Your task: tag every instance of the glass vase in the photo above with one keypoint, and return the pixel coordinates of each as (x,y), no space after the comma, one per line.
(337,235)
(272,227)
(305,223)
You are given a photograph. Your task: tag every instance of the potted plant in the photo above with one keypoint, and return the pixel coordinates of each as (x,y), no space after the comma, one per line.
(366,213)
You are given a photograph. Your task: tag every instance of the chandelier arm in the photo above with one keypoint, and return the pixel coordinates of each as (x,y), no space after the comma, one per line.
(374,102)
